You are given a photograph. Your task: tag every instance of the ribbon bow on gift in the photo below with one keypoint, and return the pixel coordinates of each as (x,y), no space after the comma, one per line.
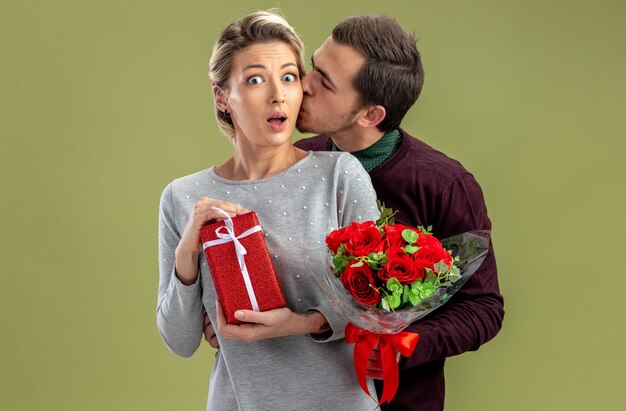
(240,250)
(364,341)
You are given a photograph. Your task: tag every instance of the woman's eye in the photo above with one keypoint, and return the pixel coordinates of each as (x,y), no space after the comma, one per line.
(255,80)
(290,78)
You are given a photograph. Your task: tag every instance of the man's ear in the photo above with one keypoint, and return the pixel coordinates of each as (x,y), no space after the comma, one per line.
(372,116)
(221,100)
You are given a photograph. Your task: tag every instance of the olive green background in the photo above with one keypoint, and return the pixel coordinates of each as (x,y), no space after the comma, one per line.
(102,103)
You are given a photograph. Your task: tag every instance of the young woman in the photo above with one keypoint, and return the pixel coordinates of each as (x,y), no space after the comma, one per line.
(289,358)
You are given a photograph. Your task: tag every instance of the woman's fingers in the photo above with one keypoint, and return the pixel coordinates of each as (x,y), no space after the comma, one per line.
(209,332)
(219,315)
(205,212)
(208,203)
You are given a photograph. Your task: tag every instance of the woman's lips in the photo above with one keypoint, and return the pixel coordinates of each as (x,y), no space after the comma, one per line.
(277,121)
(277,124)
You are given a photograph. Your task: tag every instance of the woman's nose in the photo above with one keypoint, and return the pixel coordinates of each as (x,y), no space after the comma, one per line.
(278,97)
(278,94)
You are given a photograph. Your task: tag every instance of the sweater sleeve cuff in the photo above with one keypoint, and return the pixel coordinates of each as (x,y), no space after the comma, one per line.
(336,322)
(183,289)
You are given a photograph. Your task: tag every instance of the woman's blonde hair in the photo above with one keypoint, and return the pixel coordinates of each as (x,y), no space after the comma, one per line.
(257,27)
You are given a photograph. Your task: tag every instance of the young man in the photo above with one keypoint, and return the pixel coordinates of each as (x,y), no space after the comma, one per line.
(364,79)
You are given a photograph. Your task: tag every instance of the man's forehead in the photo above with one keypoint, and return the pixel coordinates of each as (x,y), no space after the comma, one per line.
(337,60)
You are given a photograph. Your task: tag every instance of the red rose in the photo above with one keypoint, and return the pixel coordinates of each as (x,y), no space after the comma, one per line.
(427,240)
(364,239)
(393,234)
(357,278)
(428,256)
(395,252)
(336,238)
(401,267)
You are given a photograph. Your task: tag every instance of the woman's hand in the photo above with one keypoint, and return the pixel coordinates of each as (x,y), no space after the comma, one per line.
(279,322)
(209,333)
(190,244)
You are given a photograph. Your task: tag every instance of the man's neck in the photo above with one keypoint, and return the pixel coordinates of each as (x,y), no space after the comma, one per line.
(352,139)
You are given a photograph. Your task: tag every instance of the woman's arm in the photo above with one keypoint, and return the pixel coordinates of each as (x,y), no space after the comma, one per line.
(179,307)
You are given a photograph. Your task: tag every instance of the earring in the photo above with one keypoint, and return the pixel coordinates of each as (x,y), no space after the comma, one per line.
(227,117)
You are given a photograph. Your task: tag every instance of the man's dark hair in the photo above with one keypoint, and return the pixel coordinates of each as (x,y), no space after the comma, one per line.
(392,75)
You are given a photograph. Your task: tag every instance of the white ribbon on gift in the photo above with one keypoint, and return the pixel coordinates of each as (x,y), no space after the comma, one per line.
(240,250)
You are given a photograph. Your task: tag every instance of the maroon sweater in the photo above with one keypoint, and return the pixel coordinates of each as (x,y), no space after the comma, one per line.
(428,188)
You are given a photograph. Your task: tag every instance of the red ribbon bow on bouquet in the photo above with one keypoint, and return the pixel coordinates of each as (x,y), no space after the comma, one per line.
(364,341)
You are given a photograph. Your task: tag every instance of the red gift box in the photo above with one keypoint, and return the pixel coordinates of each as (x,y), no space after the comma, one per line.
(240,265)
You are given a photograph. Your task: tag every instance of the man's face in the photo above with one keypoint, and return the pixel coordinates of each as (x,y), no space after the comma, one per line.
(330,102)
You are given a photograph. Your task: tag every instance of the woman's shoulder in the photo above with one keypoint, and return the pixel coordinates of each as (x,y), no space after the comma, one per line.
(337,159)
(187,183)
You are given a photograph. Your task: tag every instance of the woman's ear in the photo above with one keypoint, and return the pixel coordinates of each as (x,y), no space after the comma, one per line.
(221,100)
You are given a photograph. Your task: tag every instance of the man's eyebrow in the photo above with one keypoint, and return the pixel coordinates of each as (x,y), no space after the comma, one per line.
(322,73)
(261,66)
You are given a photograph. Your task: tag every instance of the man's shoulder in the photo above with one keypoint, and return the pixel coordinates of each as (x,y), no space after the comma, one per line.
(316,143)
(417,154)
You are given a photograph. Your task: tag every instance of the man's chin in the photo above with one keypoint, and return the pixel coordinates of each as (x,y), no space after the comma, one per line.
(303,128)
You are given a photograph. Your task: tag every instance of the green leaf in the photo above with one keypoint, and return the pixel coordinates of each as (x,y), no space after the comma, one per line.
(340,263)
(410,249)
(393,300)
(394,285)
(428,230)
(376,260)
(386,215)
(427,289)
(441,267)
(430,277)
(359,264)
(384,304)
(426,292)
(414,299)
(405,294)
(409,236)
(454,277)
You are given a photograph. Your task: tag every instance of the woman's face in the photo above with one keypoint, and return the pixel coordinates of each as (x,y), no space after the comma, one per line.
(264,94)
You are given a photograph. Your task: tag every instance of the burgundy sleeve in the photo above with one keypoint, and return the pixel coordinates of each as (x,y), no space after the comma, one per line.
(474,314)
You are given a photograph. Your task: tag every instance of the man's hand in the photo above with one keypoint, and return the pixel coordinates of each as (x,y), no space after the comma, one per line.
(280,322)
(209,333)
(375,363)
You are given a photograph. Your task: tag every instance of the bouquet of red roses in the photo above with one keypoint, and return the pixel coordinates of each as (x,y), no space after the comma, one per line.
(391,266)
(383,276)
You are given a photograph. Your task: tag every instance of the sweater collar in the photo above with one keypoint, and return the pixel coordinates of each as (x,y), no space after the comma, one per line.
(374,155)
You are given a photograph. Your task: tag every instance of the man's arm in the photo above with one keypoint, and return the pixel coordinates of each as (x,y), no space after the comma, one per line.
(475,313)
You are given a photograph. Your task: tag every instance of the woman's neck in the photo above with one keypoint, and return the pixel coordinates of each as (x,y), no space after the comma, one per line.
(256,163)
